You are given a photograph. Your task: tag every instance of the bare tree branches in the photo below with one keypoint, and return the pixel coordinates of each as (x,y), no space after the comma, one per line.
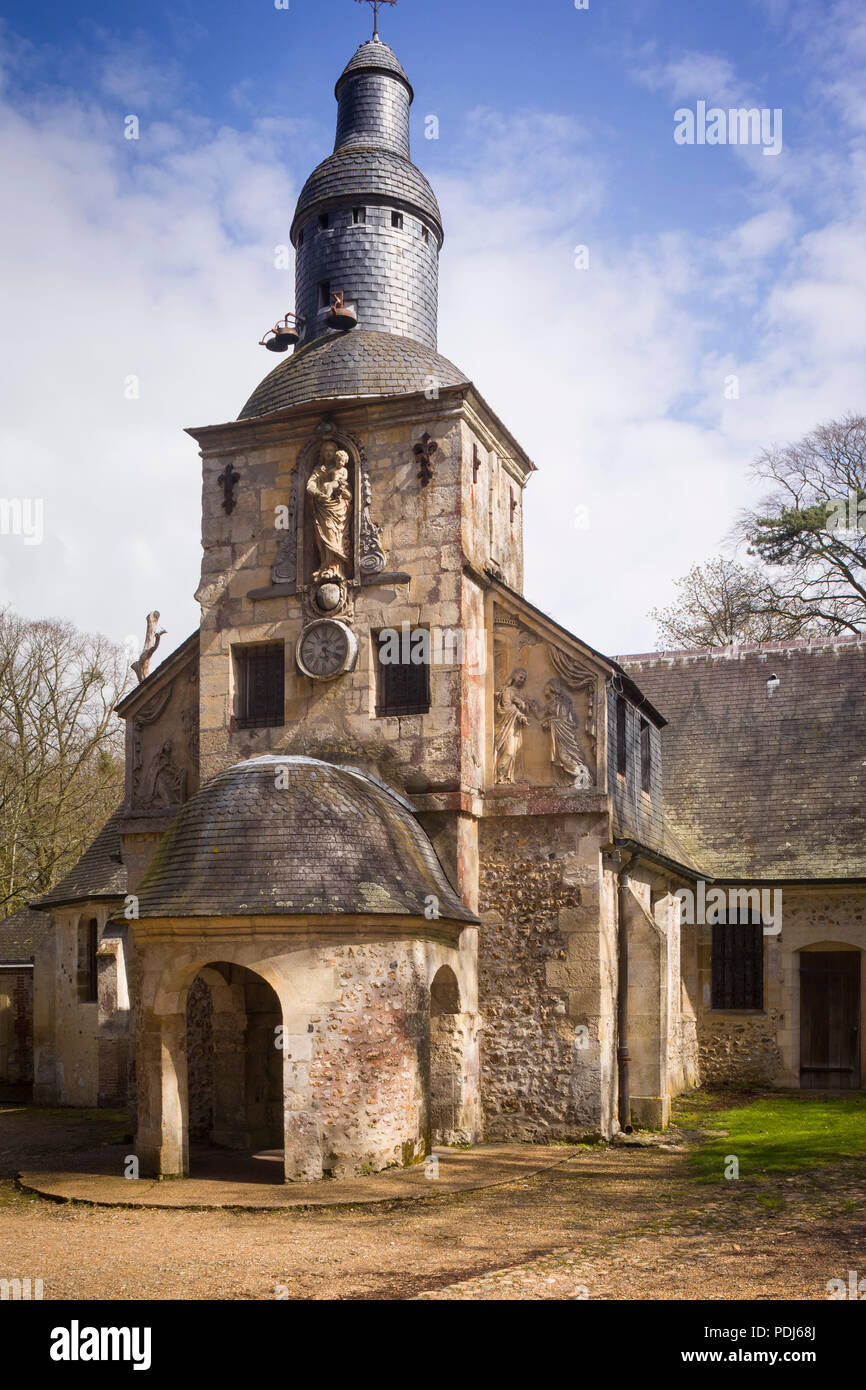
(60,750)
(807,541)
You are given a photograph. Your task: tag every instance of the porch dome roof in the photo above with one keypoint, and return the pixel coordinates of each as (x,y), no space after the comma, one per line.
(287,835)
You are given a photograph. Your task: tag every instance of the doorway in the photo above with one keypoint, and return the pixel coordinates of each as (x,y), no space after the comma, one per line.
(830,1020)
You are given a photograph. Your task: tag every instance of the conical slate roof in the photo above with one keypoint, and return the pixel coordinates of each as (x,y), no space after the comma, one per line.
(373,56)
(356,364)
(287,835)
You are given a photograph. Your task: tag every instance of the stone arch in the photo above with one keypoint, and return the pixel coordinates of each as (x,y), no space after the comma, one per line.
(233,1059)
(247,1107)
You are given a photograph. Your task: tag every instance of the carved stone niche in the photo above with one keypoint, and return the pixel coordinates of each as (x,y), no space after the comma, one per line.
(330,540)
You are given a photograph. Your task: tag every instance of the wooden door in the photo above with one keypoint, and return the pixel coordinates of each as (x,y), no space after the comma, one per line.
(830,1020)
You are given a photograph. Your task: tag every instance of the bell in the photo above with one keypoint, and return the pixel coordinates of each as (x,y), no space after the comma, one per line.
(285,335)
(340,315)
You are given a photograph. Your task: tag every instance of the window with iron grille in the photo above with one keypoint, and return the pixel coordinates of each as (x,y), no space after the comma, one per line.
(402,687)
(738,962)
(621,750)
(260,682)
(645,756)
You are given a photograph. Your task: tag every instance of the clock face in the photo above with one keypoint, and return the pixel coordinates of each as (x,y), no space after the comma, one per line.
(326,649)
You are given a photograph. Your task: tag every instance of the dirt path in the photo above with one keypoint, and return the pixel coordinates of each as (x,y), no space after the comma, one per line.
(618,1222)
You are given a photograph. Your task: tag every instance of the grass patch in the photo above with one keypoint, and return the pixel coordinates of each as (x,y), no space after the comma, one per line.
(772,1133)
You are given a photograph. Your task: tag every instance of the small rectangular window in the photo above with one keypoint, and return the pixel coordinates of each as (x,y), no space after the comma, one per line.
(397,220)
(645,757)
(260,679)
(324,294)
(300,238)
(402,684)
(359,215)
(324,221)
(88,978)
(425,234)
(738,963)
(621,750)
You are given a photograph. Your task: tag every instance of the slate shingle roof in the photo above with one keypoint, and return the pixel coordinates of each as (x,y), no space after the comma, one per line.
(21,934)
(99,873)
(332,840)
(359,363)
(758,783)
(373,56)
(369,172)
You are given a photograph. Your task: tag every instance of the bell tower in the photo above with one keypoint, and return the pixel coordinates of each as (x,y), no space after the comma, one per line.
(367,225)
(354,512)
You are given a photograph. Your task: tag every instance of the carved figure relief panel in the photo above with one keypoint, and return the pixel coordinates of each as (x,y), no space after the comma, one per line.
(162,754)
(544,711)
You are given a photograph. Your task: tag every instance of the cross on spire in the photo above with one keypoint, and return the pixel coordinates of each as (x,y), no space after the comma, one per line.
(376,4)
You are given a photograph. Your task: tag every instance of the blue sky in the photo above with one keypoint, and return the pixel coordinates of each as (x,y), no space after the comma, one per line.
(155,258)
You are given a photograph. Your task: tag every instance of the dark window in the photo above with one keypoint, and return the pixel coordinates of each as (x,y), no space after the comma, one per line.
(324,294)
(738,963)
(323,222)
(397,220)
(425,234)
(402,685)
(300,238)
(88,941)
(645,756)
(621,750)
(359,215)
(261,686)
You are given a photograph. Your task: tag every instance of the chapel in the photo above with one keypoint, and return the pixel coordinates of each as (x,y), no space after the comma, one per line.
(401,862)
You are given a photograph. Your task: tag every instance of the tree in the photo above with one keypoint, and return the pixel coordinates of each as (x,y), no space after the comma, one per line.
(807,543)
(810,531)
(721,602)
(61,751)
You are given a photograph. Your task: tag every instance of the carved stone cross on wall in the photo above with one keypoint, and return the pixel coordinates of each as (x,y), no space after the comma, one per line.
(424,451)
(228,481)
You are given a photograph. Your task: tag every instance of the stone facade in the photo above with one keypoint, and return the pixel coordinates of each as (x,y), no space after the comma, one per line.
(350,924)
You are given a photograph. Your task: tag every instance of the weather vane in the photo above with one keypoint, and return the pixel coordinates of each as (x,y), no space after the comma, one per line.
(376,4)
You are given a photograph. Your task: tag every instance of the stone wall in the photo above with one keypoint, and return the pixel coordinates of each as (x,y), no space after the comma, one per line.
(764,1045)
(357,1067)
(546,962)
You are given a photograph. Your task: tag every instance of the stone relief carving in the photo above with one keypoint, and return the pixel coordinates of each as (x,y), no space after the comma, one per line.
(372,559)
(512,717)
(557,717)
(576,676)
(285,567)
(560,721)
(164,783)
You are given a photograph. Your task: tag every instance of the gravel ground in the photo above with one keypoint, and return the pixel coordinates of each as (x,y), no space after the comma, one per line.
(621,1222)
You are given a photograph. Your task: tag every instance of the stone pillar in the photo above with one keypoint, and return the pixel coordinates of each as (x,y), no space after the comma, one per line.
(162,1145)
(302,1159)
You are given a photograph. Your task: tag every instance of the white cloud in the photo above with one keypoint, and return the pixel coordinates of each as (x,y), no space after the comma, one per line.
(155,259)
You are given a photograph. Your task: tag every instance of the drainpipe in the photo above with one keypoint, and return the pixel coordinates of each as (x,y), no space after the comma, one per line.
(622,1053)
